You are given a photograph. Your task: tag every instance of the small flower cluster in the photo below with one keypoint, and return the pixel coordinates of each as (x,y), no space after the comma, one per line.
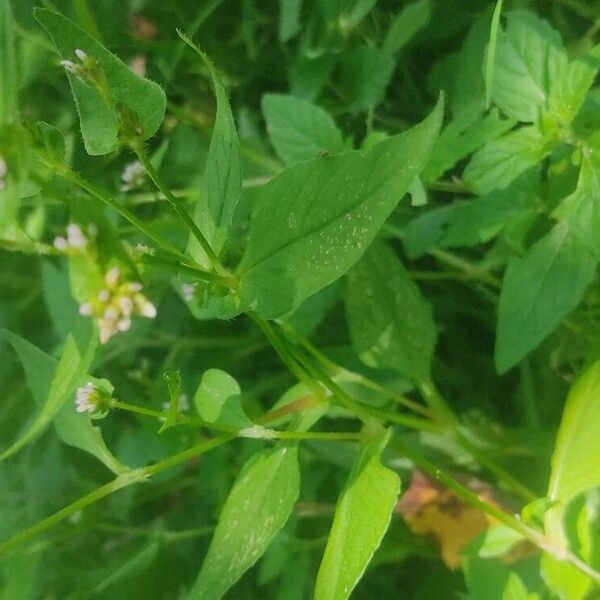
(92,400)
(3,171)
(133,176)
(116,304)
(76,240)
(75,68)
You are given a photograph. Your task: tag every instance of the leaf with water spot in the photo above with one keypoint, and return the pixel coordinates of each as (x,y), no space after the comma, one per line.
(390,323)
(257,507)
(316,219)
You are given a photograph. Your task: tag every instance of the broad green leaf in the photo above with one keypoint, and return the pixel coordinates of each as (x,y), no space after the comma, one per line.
(8,65)
(52,385)
(362,516)
(567,582)
(406,24)
(300,130)
(469,222)
(580,209)
(390,323)
(100,112)
(257,507)
(530,57)
(462,136)
(538,291)
(218,399)
(365,74)
(289,19)
(570,88)
(502,160)
(315,220)
(223,172)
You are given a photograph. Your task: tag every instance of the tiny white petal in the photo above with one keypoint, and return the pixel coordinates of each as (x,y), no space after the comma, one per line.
(136,286)
(112,277)
(111,314)
(124,324)
(69,65)
(148,310)
(80,54)
(126,304)
(2,168)
(60,243)
(104,296)
(75,236)
(106,330)
(85,309)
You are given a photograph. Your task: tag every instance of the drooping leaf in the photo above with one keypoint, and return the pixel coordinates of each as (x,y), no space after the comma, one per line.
(100,112)
(529,58)
(365,74)
(223,172)
(218,400)
(257,507)
(300,130)
(390,323)
(538,291)
(315,220)
(406,24)
(362,516)
(52,385)
(502,160)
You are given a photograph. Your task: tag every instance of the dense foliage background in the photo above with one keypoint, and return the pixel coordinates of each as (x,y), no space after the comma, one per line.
(359,360)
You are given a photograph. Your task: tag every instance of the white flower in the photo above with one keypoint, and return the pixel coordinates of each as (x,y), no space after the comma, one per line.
(126,304)
(148,310)
(135,286)
(75,236)
(138,65)
(104,295)
(188,291)
(112,277)
(86,309)
(124,324)
(60,243)
(70,66)
(133,176)
(86,398)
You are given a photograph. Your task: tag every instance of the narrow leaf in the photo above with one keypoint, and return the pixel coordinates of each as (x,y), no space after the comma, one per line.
(407,23)
(361,519)
(8,65)
(491,55)
(538,291)
(391,325)
(257,507)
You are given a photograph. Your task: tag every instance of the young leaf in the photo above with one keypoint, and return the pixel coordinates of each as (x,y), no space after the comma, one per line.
(52,385)
(390,323)
(223,172)
(530,57)
(218,400)
(407,23)
(502,160)
(315,220)
(491,54)
(257,507)
(361,519)
(8,65)
(289,19)
(100,110)
(538,291)
(300,130)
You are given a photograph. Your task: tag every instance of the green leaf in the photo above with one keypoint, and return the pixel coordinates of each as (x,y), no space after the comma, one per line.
(538,291)
(52,385)
(390,323)
(362,516)
(406,24)
(502,160)
(218,399)
(315,220)
(491,53)
(9,88)
(289,19)
(354,12)
(462,136)
(570,88)
(99,111)
(257,507)
(223,172)
(300,130)
(365,74)
(530,57)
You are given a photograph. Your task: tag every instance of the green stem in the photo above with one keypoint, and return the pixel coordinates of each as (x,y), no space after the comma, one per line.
(120,482)
(439,407)
(535,536)
(138,147)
